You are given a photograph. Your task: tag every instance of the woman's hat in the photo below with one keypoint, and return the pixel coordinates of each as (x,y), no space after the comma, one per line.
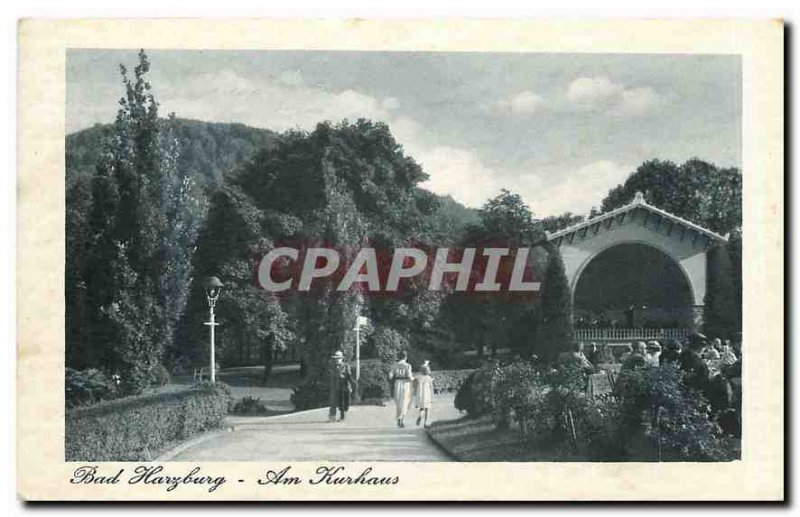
(338,355)
(653,345)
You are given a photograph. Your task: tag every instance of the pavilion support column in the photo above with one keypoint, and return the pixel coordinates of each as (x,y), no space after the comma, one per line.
(698,317)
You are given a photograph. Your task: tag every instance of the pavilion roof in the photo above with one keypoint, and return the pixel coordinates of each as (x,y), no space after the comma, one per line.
(637,203)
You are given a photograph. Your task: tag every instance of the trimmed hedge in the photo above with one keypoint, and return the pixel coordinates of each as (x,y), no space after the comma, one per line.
(136,428)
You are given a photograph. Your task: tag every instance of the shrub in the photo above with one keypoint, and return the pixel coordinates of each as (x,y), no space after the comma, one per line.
(83,387)
(218,388)
(136,428)
(474,395)
(249,406)
(373,382)
(679,418)
(514,389)
(388,344)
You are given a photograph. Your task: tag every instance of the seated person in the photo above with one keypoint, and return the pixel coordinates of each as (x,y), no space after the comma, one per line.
(727,355)
(638,358)
(576,358)
(671,353)
(626,353)
(605,356)
(711,352)
(653,353)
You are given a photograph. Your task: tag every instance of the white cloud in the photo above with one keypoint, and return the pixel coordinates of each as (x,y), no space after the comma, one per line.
(286,102)
(592,90)
(523,103)
(580,188)
(291,78)
(278,103)
(637,101)
(390,103)
(601,93)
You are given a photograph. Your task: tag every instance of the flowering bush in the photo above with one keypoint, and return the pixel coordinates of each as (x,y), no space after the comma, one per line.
(83,387)
(515,389)
(679,417)
(474,395)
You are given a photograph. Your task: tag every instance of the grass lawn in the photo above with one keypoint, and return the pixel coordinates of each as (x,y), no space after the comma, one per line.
(284,376)
(246,382)
(477,439)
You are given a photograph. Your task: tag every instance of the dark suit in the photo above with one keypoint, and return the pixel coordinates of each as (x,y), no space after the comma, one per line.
(341,379)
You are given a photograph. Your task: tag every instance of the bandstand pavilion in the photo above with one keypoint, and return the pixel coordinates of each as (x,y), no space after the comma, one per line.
(636,273)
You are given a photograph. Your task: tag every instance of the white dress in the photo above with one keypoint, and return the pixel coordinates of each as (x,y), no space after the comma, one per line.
(424,391)
(403,377)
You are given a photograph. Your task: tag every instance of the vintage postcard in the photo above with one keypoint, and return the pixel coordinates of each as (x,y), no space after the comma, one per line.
(400,260)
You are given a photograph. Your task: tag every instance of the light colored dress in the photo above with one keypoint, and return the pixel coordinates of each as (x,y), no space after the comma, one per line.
(403,377)
(424,391)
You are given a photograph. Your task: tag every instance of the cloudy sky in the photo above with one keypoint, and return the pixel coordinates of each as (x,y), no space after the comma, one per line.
(559,129)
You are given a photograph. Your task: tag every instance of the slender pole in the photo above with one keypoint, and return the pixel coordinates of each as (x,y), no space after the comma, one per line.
(358,351)
(213,362)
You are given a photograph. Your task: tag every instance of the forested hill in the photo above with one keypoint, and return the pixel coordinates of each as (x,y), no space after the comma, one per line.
(208,150)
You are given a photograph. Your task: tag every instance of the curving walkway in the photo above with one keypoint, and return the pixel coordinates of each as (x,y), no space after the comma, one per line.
(368,434)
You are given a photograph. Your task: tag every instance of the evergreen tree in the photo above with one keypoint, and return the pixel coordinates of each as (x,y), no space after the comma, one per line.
(720,312)
(555,321)
(144,220)
(734,248)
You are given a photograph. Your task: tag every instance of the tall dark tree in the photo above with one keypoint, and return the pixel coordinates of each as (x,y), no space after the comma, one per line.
(143,222)
(555,320)
(499,320)
(735,255)
(720,303)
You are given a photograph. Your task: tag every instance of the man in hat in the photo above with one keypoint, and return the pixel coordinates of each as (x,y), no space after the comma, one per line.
(341,388)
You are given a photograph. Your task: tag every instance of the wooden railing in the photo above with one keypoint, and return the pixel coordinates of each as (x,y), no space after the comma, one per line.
(627,334)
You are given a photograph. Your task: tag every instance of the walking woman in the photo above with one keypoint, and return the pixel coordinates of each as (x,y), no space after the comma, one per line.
(424,392)
(402,376)
(341,380)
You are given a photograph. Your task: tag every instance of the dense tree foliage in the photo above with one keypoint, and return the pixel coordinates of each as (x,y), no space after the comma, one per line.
(555,223)
(129,291)
(209,151)
(696,190)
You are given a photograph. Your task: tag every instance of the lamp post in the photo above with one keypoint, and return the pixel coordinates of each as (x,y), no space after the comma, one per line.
(360,321)
(212,287)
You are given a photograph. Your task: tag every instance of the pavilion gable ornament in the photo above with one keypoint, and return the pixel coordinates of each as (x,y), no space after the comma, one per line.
(619,217)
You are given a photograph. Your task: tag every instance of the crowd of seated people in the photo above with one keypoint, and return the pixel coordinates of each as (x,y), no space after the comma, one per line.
(713,367)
